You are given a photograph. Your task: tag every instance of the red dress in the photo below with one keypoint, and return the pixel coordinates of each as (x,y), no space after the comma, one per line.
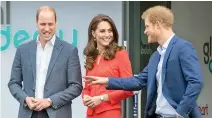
(120,66)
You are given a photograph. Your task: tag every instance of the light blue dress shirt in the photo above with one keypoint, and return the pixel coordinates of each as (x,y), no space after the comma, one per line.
(162,105)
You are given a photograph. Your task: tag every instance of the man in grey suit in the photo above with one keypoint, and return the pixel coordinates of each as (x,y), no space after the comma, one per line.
(46,74)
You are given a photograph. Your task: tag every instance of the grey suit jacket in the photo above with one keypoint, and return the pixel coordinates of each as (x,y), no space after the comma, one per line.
(63,80)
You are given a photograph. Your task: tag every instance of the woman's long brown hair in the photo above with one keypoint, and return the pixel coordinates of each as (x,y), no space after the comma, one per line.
(91,51)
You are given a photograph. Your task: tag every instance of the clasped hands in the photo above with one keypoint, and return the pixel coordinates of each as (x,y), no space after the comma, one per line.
(37,104)
(91,101)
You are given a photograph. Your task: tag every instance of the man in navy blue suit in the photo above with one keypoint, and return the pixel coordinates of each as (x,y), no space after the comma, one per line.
(173,77)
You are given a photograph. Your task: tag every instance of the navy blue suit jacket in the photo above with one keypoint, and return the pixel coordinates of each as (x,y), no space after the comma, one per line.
(181,79)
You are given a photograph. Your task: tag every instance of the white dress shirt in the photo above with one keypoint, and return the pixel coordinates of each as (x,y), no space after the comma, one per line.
(162,105)
(43,56)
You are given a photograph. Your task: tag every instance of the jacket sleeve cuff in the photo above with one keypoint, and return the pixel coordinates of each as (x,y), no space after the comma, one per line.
(22,100)
(183,112)
(55,103)
(179,115)
(108,85)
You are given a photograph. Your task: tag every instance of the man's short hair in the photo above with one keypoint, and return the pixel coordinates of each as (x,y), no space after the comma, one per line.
(45,8)
(160,14)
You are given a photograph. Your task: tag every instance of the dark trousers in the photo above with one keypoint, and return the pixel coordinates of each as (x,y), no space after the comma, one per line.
(40,114)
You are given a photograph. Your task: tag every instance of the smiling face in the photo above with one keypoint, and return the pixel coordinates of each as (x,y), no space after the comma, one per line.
(46,25)
(158,22)
(103,34)
(152,31)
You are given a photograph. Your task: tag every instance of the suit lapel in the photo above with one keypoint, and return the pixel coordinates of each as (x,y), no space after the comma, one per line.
(168,51)
(154,66)
(32,51)
(55,53)
(156,61)
(152,70)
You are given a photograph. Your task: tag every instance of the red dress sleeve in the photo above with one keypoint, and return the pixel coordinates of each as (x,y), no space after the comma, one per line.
(125,70)
(86,89)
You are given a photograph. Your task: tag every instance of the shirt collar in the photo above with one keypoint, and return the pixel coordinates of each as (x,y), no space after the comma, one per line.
(165,45)
(51,41)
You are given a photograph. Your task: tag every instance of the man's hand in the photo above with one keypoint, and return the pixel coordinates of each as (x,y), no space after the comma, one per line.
(96,80)
(42,104)
(30,101)
(94,101)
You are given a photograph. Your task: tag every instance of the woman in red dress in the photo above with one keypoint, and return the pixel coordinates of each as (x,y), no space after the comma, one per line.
(104,58)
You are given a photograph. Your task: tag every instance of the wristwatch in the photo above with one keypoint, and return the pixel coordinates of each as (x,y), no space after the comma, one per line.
(102,98)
